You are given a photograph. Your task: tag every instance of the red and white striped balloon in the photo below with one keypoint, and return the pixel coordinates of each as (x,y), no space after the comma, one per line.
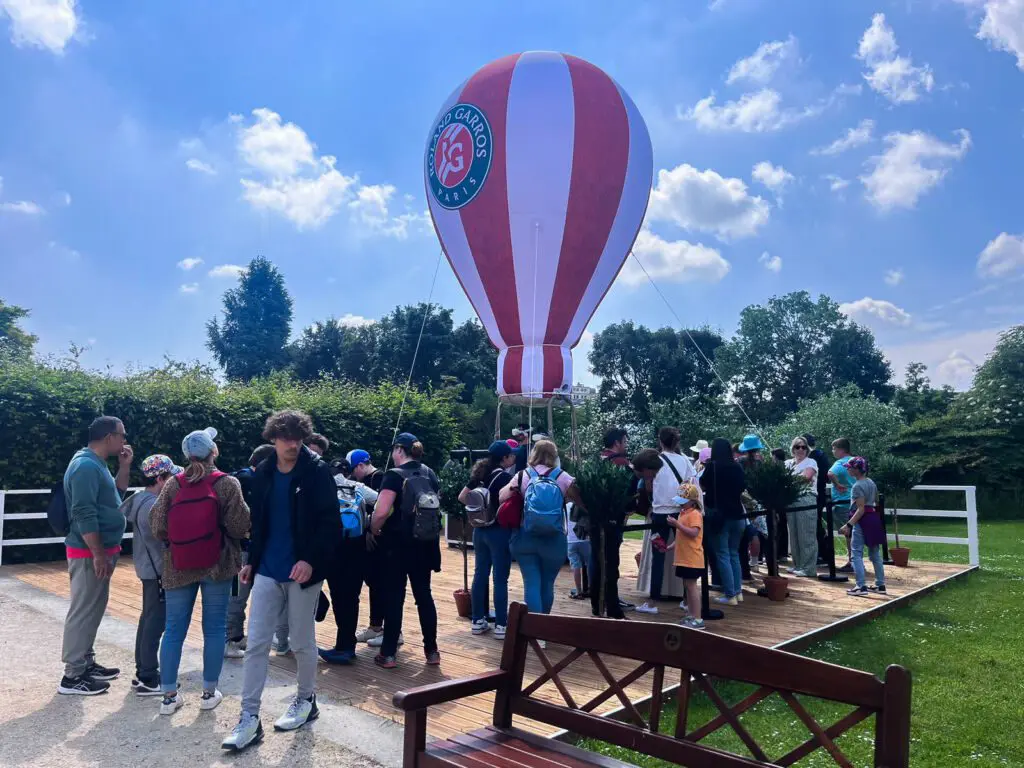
(538,171)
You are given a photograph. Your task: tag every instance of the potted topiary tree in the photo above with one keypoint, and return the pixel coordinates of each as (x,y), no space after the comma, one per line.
(896,477)
(775,488)
(453,479)
(605,491)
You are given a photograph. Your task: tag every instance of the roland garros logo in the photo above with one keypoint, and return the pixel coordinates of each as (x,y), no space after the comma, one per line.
(459,156)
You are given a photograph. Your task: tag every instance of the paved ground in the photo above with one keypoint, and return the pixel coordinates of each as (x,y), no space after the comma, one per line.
(42,728)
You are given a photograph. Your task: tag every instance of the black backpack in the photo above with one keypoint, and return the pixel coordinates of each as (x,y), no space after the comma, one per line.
(57,511)
(421,504)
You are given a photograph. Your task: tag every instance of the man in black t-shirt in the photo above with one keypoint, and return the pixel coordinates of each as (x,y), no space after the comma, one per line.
(364,472)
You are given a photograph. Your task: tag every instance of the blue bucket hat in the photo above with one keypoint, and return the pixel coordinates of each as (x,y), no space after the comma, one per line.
(199,444)
(751,443)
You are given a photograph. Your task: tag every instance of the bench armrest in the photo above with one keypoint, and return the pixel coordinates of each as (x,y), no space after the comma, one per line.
(450,690)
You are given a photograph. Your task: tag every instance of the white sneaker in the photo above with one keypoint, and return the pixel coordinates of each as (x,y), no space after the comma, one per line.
(378,641)
(171,704)
(723,600)
(368,635)
(234,649)
(211,700)
(499,632)
(481,627)
(683,607)
(249,731)
(283,650)
(300,712)
(647,608)
(739,597)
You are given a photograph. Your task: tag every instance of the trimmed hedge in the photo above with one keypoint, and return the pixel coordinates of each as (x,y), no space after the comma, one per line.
(45,411)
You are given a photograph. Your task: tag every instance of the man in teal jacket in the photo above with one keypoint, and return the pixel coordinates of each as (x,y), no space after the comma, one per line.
(93,545)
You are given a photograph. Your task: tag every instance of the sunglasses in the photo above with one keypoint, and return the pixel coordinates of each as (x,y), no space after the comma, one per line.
(799,447)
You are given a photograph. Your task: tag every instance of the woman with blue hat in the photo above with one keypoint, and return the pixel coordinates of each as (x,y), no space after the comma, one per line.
(490,540)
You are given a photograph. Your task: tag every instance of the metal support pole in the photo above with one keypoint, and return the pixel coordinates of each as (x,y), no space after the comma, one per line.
(497,423)
(832,575)
(707,612)
(885,531)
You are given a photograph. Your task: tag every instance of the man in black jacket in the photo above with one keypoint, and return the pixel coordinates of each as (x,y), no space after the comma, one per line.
(295,524)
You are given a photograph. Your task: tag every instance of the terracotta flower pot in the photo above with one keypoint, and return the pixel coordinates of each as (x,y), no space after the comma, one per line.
(776,587)
(464,603)
(900,556)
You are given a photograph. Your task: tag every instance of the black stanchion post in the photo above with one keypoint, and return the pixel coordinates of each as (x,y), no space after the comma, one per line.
(885,531)
(597,540)
(832,575)
(773,552)
(708,613)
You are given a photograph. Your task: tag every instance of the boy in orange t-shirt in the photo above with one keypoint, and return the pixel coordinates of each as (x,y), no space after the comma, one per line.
(689,549)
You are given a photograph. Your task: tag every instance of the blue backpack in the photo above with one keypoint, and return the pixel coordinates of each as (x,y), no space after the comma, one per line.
(353,517)
(543,505)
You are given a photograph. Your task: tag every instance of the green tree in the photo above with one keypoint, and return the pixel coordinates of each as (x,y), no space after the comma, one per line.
(640,367)
(252,339)
(917,399)
(333,349)
(794,348)
(13,340)
(871,426)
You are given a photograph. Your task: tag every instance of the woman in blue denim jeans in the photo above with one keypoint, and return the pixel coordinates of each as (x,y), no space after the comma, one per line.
(182,586)
(540,558)
(490,541)
(723,483)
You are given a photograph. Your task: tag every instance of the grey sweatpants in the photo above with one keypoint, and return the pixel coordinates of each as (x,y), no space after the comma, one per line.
(803,538)
(236,611)
(268,598)
(89,597)
(151,629)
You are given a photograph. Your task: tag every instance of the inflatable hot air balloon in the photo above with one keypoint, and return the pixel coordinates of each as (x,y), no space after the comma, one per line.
(538,170)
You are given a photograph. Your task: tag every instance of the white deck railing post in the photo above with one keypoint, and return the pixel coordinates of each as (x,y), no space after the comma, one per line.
(974,557)
(3,497)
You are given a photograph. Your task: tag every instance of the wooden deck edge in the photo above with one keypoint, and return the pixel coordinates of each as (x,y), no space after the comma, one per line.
(805,640)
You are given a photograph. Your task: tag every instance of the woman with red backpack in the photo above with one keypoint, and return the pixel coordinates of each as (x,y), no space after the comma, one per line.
(202,517)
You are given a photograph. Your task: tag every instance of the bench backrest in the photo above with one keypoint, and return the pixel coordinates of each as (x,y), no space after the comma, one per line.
(700,658)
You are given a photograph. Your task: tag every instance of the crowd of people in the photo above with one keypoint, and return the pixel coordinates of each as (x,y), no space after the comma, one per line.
(259,543)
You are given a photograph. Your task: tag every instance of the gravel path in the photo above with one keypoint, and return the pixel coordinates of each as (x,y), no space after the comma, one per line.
(42,728)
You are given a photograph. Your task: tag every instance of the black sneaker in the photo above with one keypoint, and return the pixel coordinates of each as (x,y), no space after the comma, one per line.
(857,591)
(625,606)
(848,568)
(146,687)
(81,686)
(97,672)
(879,589)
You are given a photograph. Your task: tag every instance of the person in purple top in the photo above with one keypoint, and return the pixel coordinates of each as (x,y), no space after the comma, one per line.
(865,528)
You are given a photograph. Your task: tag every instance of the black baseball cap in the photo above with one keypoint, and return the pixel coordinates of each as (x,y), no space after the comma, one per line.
(406,440)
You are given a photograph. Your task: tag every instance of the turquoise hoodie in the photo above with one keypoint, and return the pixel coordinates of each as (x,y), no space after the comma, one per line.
(93,501)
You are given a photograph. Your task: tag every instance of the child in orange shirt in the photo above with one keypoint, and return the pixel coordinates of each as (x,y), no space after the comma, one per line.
(689,549)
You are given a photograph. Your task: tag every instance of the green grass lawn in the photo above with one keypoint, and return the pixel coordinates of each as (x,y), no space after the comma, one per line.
(964,646)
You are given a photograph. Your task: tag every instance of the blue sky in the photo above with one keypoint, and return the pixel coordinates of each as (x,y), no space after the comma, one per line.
(872,151)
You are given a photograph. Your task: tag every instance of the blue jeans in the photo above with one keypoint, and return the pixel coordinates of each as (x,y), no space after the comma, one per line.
(540,559)
(726,549)
(857,557)
(180,602)
(491,552)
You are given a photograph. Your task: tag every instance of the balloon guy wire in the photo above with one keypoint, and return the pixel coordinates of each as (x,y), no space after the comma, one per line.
(415,354)
(693,341)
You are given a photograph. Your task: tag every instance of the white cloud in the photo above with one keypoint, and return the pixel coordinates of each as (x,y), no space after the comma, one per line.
(771,263)
(854,137)
(189,288)
(893,76)
(194,164)
(836,183)
(894,277)
(348,320)
(761,66)
(283,153)
(774,177)
(190,263)
(675,261)
(1002,256)
(875,312)
(227,270)
(957,370)
(912,165)
(26,207)
(48,24)
(950,359)
(1003,26)
(371,211)
(705,201)
(756,112)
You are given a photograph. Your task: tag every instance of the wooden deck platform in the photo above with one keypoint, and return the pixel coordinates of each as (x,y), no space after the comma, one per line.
(813,610)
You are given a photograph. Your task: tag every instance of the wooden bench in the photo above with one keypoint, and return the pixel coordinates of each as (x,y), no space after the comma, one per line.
(701,657)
